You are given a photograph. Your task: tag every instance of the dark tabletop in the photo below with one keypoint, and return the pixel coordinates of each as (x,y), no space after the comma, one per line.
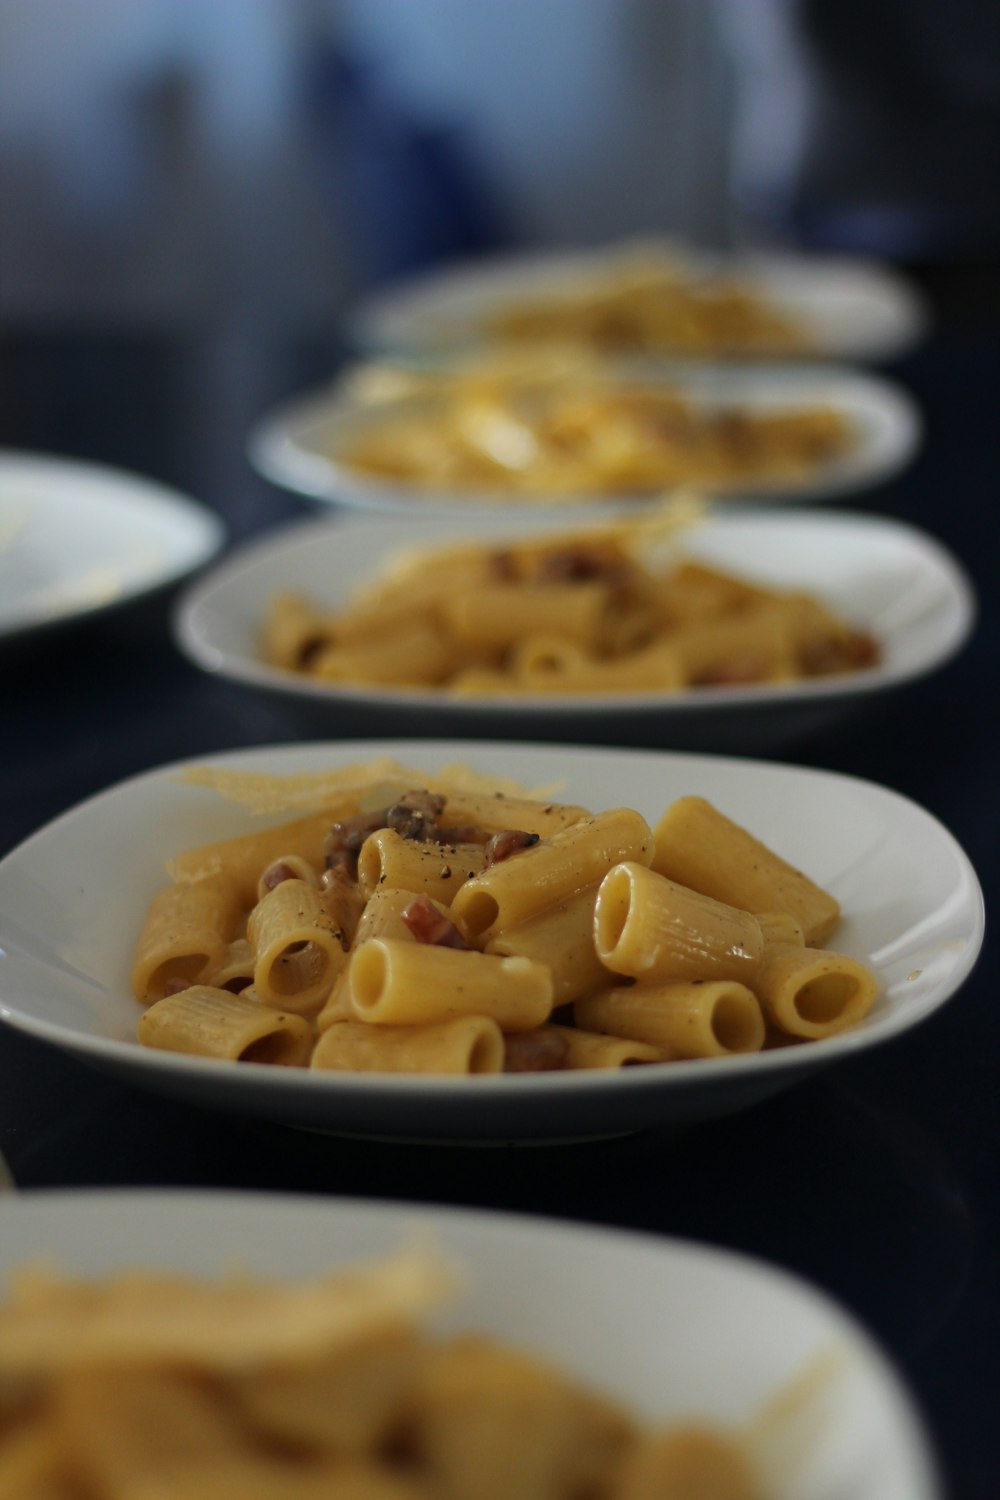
(878,1181)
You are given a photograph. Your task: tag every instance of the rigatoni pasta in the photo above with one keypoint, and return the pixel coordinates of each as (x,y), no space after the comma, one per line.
(597,611)
(150,1386)
(475,933)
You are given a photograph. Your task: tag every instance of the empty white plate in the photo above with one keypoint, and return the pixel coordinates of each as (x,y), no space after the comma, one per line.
(73,898)
(305,444)
(849,307)
(76,538)
(882,576)
(673,1330)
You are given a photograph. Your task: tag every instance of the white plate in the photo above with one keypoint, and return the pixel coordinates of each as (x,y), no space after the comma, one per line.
(674,1330)
(852,308)
(302,445)
(76,538)
(882,576)
(73,898)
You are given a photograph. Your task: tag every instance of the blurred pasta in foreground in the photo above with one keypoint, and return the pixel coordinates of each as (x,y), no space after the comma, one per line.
(595,611)
(150,1386)
(428,924)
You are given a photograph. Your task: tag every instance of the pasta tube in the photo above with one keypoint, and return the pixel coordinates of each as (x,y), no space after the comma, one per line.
(298,952)
(242,859)
(472,1394)
(187,931)
(562,938)
(492,617)
(590,1049)
(778,927)
(291,626)
(235,973)
(400,984)
(527,883)
(493,813)
(698,846)
(810,993)
(436,870)
(420,656)
(651,928)
(682,1020)
(468,1044)
(213,1023)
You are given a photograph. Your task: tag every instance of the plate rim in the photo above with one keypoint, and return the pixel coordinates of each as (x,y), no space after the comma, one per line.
(209,532)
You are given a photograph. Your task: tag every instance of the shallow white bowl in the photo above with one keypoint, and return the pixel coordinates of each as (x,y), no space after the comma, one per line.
(73,898)
(884,577)
(674,1330)
(303,445)
(76,538)
(852,308)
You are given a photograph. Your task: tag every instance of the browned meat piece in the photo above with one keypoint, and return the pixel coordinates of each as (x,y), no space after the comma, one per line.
(534,1052)
(507,842)
(429,926)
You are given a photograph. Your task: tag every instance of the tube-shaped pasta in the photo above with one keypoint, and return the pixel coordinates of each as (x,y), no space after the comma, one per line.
(778,927)
(290,625)
(495,616)
(651,928)
(383,916)
(436,870)
(242,859)
(563,938)
(494,812)
(759,645)
(471,1395)
(688,1460)
(342,901)
(527,883)
(591,1049)
(293,867)
(213,1023)
(811,993)
(187,932)
(337,1005)
(400,984)
(544,658)
(467,1044)
(235,973)
(420,656)
(298,952)
(700,847)
(690,1019)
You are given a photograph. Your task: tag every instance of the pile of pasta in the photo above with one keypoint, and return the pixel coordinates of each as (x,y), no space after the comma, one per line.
(564,433)
(422,927)
(156,1387)
(648,302)
(595,611)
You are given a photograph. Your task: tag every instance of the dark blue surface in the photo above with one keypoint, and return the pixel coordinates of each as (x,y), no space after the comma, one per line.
(878,1181)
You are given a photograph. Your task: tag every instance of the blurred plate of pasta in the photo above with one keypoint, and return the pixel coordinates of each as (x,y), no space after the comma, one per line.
(659,299)
(880,872)
(77,538)
(569,432)
(890,587)
(635,1358)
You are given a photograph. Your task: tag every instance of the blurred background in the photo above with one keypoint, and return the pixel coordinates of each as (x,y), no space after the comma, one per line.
(172,162)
